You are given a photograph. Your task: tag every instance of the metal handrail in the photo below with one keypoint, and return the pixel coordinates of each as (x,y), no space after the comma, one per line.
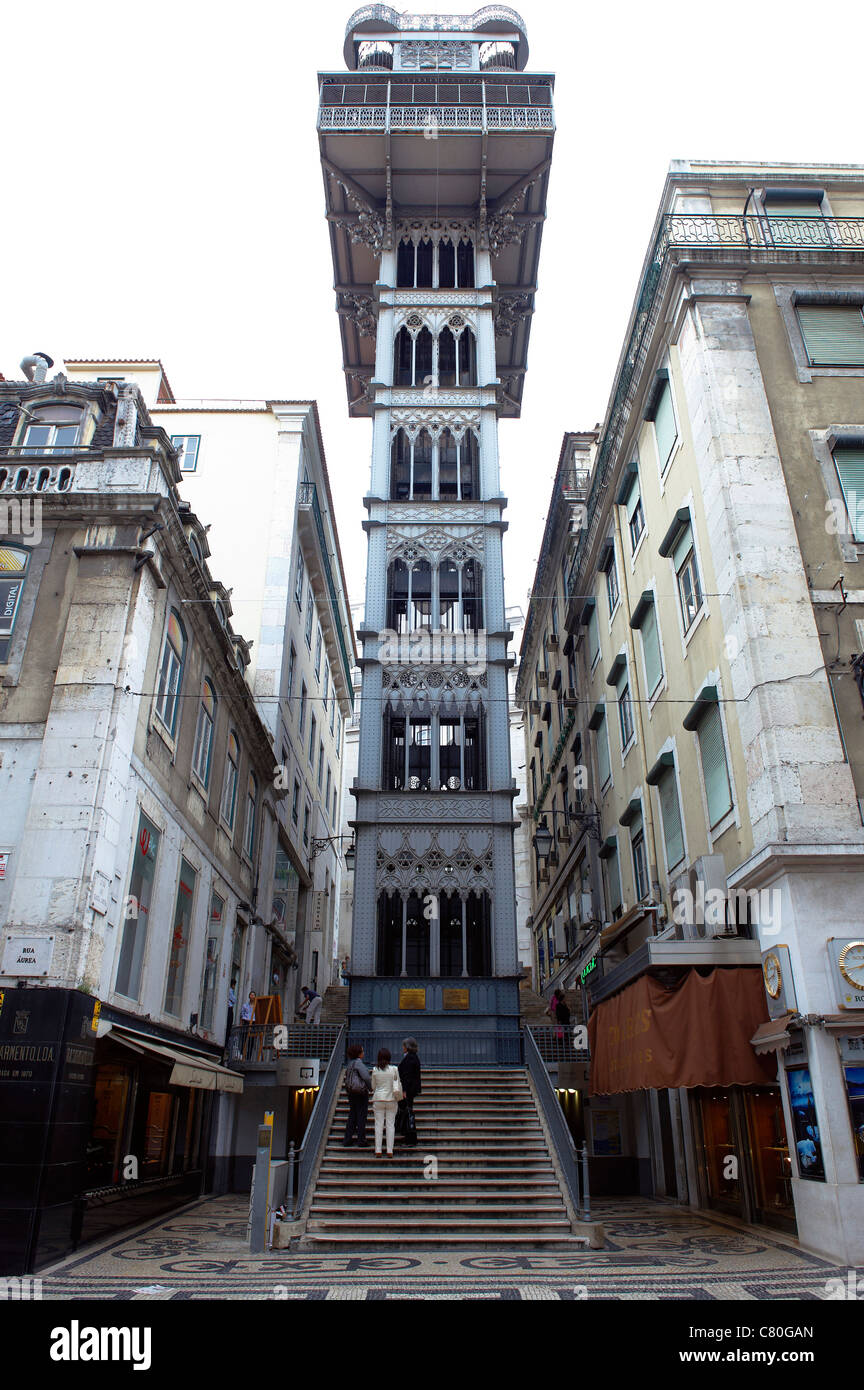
(302,1161)
(570,1158)
(252,1044)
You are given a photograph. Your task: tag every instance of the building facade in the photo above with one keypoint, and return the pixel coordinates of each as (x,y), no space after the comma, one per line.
(435,186)
(717,634)
(140,824)
(275,541)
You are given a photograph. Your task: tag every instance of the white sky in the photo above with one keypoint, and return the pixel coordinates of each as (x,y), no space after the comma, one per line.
(163,195)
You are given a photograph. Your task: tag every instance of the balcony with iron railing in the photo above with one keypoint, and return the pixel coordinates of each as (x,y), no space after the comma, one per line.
(446,105)
(708,238)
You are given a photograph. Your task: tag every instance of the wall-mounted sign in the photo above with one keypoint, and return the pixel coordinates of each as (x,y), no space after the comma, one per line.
(847,963)
(297,1071)
(808,1143)
(27,955)
(455,998)
(412,999)
(587,969)
(4,864)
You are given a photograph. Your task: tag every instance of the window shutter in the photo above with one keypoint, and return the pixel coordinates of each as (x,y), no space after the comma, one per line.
(664,424)
(603,765)
(794,208)
(850,470)
(593,636)
(717,788)
(613,879)
(633,501)
(833,334)
(671,813)
(683,544)
(651,649)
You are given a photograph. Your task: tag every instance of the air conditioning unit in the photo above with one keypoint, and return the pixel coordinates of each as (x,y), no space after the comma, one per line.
(586,907)
(564,835)
(552,640)
(534,707)
(559,934)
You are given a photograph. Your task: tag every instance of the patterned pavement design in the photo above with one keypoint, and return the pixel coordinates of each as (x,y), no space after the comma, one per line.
(654,1251)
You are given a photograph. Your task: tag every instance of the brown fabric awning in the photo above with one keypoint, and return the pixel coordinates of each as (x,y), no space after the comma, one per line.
(772,1036)
(650,1037)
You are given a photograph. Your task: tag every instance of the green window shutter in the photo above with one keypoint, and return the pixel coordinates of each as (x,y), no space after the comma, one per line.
(683,544)
(664,424)
(613,880)
(673,835)
(850,470)
(593,636)
(833,334)
(717,788)
(603,765)
(651,649)
(633,500)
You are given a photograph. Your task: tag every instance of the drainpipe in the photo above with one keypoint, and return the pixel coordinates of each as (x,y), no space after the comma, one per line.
(647,808)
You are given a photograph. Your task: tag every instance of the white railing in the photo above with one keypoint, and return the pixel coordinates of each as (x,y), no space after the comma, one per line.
(436,118)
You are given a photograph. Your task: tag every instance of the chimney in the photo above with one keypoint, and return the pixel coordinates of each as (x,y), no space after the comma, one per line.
(35,367)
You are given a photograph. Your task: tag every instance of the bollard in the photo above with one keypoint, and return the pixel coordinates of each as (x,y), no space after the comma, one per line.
(258,1232)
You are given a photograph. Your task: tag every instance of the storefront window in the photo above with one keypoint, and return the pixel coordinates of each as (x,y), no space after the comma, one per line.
(852,1053)
(103,1151)
(157,1134)
(808,1143)
(180,939)
(772,1162)
(721,1149)
(128,979)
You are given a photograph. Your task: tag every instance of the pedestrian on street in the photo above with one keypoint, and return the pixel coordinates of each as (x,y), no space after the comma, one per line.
(358,1086)
(344,968)
(232,1000)
(562,1012)
(386,1093)
(247,1015)
(312,1005)
(410,1074)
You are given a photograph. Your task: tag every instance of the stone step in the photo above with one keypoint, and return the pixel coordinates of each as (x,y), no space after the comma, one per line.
(451,1240)
(507,1186)
(495,1203)
(377,1226)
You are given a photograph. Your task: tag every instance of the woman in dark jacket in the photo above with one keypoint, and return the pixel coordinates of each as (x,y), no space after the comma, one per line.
(409,1071)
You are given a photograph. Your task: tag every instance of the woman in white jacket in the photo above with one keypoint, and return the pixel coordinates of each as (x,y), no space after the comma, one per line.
(386,1093)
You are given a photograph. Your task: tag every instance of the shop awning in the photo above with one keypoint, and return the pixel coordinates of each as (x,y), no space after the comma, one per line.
(852,1025)
(773,1036)
(188,1068)
(694,1034)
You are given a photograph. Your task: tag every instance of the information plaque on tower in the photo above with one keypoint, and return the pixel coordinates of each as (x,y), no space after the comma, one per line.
(412,999)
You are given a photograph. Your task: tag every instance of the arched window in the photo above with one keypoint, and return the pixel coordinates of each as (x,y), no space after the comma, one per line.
(448,466)
(457,358)
(409,596)
(467,359)
(405,265)
(229,786)
(472,596)
(22,480)
(42,479)
(469,467)
(56,430)
(251,808)
(466,936)
(204,734)
(412,362)
(460,596)
(403,936)
(425,264)
(446,265)
(465,265)
(13,569)
(171,672)
(411,467)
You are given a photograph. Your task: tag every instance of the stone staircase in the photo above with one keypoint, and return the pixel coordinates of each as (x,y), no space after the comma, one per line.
(334,1009)
(496,1183)
(532,1007)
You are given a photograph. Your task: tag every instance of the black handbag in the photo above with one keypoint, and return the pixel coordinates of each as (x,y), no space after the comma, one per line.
(410,1130)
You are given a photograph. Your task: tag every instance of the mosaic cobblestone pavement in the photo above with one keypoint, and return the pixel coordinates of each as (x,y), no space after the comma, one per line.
(654,1251)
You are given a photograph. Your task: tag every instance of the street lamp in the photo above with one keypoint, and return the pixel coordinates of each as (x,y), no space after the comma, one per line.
(321,844)
(543,840)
